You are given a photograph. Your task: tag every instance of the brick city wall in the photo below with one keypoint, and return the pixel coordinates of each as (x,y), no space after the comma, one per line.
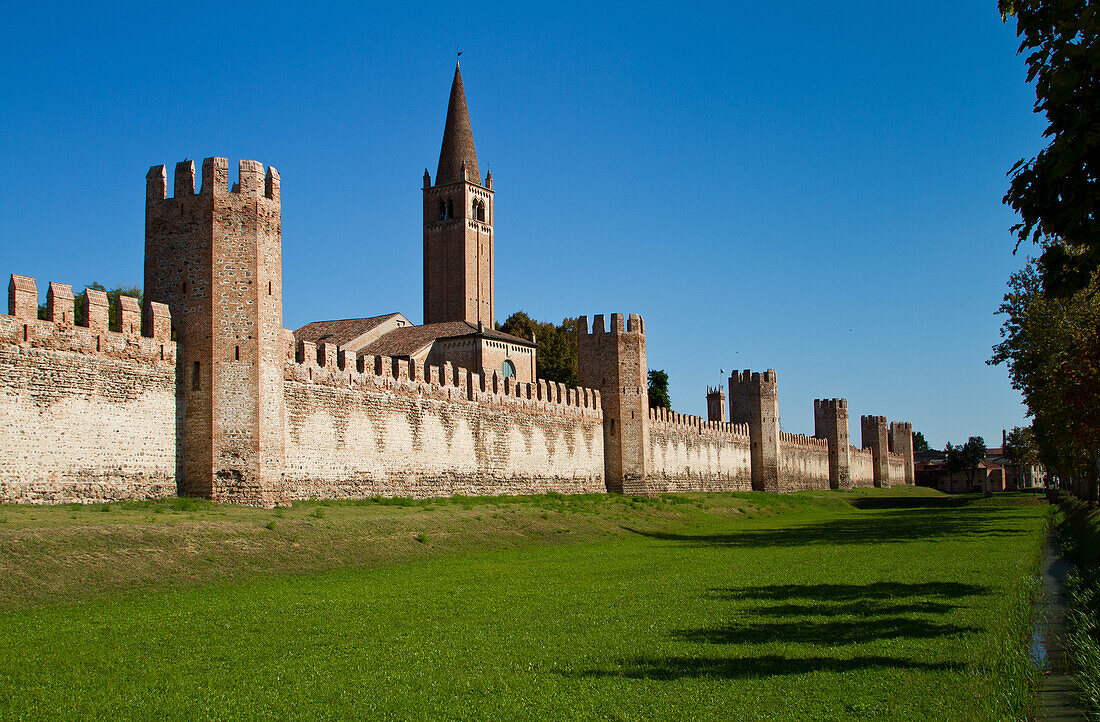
(687,453)
(89,415)
(380,426)
(803,462)
(861,466)
(896,464)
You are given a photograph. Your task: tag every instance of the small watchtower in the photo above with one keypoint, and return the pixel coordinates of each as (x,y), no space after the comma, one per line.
(716,404)
(215,258)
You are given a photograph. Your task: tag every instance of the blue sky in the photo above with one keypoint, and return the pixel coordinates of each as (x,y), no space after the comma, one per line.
(804,186)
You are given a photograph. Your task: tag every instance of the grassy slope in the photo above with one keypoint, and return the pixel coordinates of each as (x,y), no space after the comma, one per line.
(897,605)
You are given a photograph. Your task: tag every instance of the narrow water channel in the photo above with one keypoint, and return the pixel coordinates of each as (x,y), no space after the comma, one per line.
(1055,699)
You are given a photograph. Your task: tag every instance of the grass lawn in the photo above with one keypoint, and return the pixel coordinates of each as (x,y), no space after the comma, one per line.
(901,604)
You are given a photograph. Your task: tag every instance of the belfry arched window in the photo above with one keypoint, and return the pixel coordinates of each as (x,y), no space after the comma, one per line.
(478,209)
(442,211)
(508,369)
(450,208)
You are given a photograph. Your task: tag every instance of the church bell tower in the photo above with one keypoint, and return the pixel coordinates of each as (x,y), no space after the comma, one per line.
(458,226)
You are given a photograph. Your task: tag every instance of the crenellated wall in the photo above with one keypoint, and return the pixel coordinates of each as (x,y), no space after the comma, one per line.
(803,462)
(89,415)
(382,426)
(896,465)
(687,453)
(861,466)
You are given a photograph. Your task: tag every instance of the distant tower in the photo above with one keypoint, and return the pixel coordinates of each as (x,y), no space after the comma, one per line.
(458,226)
(215,258)
(901,442)
(874,436)
(831,423)
(613,362)
(716,404)
(754,400)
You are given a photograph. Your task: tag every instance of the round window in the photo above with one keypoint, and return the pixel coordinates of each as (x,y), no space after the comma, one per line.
(508,369)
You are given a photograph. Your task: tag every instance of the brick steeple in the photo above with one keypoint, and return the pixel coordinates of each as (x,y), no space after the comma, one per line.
(458,226)
(458,140)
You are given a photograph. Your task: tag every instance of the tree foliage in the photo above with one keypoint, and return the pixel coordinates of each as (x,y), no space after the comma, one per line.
(919,442)
(1051,346)
(965,457)
(556,359)
(658,390)
(1057,193)
(112,304)
(1020,447)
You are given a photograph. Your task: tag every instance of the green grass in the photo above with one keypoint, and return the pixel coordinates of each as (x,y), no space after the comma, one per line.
(878,605)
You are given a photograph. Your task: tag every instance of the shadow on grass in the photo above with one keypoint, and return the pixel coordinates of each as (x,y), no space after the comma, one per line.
(915,502)
(671,668)
(820,632)
(865,607)
(859,593)
(878,527)
(818,616)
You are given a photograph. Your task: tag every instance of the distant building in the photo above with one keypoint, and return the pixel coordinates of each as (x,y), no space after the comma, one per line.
(994,473)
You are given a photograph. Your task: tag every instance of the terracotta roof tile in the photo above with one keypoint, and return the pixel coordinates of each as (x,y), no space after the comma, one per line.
(409,340)
(340,331)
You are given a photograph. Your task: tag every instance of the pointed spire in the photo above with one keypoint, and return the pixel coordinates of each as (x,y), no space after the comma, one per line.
(458,139)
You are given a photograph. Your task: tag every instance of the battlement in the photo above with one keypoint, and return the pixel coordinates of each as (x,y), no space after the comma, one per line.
(715,391)
(755,378)
(324,364)
(852,449)
(634,325)
(253,182)
(872,419)
(667,420)
(830,404)
(901,425)
(22,327)
(810,442)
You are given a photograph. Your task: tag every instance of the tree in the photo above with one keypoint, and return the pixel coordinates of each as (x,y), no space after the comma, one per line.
(919,443)
(556,359)
(112,304)
(658,390)
(965,457)
(1020,447)
(1051,346)
(1057,193)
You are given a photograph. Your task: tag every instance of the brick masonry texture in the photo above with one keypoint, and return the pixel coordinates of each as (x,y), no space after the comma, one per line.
(862,467)
(689,454)
(88,415)
(396,430)
(803,463)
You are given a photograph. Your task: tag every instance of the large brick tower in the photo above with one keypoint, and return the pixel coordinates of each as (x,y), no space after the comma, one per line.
(901,442)
(613,362)
(754,400)
(831,423)
(216,259)
(874,436)
(458,226)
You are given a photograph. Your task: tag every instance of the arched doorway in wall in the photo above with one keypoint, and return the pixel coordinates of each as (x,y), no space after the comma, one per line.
(508,369)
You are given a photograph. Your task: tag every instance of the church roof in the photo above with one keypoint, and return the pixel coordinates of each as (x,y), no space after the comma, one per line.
(458,140)
(409,340)
(341,331)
